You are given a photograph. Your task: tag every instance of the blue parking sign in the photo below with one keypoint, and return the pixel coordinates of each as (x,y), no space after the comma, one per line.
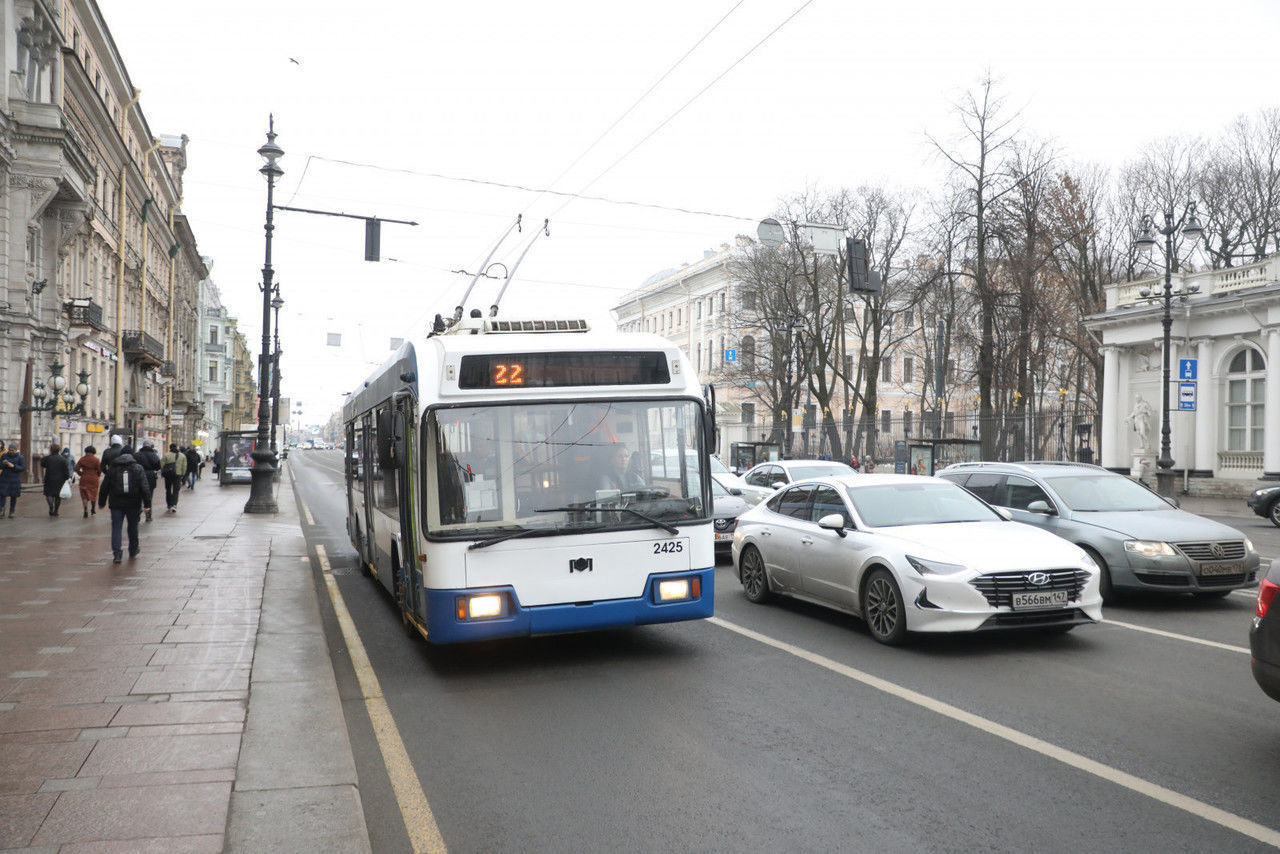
(731,355)
(1187,369)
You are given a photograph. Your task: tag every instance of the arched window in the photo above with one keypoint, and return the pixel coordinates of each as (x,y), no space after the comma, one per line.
(1246,390)
(748,354)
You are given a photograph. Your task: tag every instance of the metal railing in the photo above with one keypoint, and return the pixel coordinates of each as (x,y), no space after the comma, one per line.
(86,312)
(139,346)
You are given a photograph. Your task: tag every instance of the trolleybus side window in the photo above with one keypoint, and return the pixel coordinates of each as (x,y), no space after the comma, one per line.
(386,490)
(557,465)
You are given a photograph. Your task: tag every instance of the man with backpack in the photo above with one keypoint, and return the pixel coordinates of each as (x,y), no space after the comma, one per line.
(193,466)
(150,462)
(173,467)
(124,490)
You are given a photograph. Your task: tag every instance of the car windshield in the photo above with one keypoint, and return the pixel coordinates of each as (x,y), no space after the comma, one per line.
(818,470)
(929,502)
(491,470)
(717,467)
(718,490)
(1104,492)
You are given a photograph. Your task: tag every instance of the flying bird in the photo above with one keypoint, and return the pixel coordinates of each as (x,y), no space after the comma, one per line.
(294,61)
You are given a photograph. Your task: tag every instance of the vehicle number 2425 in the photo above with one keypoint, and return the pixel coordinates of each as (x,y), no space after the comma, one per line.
(668,547)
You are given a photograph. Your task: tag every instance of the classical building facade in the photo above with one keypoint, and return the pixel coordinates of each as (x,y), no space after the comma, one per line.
(99,270)
(1225,415)
(217,373)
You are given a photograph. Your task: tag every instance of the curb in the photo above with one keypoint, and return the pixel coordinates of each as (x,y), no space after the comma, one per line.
(296,787)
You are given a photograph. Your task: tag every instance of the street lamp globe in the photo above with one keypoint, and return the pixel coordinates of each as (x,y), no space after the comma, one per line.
(57,382)
(1192,231)
(82,387)
(68,396)
(1145,242)
(39,393)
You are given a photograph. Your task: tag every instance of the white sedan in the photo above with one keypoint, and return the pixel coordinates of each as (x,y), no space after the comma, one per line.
(912,554)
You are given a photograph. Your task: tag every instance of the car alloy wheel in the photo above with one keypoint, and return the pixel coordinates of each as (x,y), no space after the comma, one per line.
(754,581)
(882,608)
(1274,514)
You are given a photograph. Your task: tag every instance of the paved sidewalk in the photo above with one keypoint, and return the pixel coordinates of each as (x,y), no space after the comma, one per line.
(182,701)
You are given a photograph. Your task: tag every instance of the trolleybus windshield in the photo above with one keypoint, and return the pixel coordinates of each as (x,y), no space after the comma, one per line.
(570,467)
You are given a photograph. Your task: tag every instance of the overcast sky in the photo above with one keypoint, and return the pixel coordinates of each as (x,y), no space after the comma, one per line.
(400,109)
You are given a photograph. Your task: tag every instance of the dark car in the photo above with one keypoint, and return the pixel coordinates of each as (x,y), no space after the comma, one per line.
(1264,636)
(728,506)
(1265,501)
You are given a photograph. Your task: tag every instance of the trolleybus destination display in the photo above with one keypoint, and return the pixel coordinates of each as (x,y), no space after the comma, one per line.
(550,370)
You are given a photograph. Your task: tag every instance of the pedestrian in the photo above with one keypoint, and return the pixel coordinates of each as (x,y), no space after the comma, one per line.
(193,467)
(12,465)
(124,490)
(89,470)
(117,446)
(71,461)
(149,459)
(853,462)
(217,461)
(173,467)
(56,473)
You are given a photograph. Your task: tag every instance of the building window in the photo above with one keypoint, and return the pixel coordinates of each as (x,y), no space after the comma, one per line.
(699,305)
(886,370)
(699,356)
(722,298)
(908,370)
(677,318)
(748,354)
(886,421)
(213,335)
(748,413)
(1246,390)
(213,370)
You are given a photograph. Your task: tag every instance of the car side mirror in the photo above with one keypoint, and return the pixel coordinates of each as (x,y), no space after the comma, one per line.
(1041,507)
(778,484)
(832,522)
(1003,513)
(733,490)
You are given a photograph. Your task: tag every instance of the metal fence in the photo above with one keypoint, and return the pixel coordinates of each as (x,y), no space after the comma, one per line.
(1049,434)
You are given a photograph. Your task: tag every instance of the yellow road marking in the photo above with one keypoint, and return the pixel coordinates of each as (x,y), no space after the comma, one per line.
(1176,636)
(306,511)
(1075,760)
(424,833)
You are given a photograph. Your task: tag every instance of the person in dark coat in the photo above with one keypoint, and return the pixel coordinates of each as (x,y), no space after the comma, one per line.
(89,470)
(217,461)
(56,473)
(173,467)
(149,459)
(117,446)
(193,467)
(12,465)
(124,489)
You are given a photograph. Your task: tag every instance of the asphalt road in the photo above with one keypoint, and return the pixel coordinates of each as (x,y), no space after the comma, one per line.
(786,727)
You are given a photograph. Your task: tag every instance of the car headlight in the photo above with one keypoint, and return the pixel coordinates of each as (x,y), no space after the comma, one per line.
(1149,548)
(934,567)
(1248,545)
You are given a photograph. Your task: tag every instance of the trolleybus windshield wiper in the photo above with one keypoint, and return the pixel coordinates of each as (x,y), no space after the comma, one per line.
(669,528)
(523,532)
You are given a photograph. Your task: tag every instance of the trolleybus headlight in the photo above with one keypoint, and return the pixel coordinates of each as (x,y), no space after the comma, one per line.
(481,607)
(675,589)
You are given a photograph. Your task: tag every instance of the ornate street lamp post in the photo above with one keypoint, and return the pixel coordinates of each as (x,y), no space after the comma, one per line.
(261,499)
(56,395)
(1145,242)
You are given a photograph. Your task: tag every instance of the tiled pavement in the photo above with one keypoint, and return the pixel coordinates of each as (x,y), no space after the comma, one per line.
(182,701)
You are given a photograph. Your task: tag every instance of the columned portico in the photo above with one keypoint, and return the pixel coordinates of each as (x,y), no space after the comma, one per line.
(1206,437)
(1271,408)
(1112,424)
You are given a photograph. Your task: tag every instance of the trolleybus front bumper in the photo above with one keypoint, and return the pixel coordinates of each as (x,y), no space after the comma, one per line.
(447,620)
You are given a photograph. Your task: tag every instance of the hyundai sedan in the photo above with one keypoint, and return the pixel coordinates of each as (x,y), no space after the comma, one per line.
(912,554)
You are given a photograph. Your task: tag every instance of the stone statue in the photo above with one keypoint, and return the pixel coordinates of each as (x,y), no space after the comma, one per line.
(1141,418)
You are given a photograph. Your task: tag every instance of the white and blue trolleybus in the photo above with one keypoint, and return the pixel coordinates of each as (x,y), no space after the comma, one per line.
(530,477)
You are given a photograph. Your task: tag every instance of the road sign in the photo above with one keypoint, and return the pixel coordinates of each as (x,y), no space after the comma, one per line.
(731,355)
(1187,369)
(1187,396)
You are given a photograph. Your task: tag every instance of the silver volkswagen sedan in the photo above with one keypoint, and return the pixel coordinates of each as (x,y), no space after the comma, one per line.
(911,554)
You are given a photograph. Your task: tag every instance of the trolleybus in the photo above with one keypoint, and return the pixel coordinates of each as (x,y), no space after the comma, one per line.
(529,477)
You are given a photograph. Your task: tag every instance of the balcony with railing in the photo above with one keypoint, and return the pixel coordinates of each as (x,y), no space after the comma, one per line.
(86,313)
(141,348)
(1208,284)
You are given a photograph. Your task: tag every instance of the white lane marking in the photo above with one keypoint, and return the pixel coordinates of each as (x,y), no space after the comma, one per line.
(1175,636)
(1075,760)
(1251,595)
(419,821)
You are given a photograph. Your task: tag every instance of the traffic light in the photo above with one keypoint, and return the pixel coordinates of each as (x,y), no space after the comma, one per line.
(372,239)
(861,280)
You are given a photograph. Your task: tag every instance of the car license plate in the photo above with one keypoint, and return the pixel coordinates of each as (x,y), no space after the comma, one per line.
(1220,568)
(727,536)
(1039,599)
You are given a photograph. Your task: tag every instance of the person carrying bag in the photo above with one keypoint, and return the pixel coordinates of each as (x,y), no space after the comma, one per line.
(173,468)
